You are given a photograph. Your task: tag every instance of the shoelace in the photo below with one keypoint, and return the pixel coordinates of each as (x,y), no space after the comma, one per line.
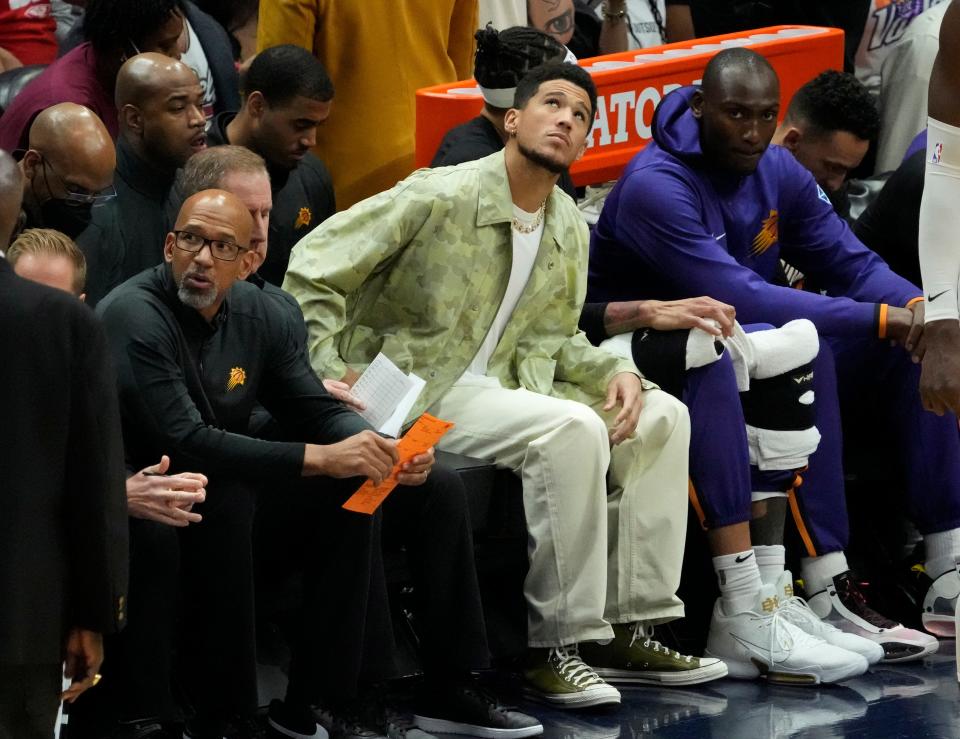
(490,700)
(779,635)
(785,634)
(574,669)
(646,633)
(796,609)
(856,602)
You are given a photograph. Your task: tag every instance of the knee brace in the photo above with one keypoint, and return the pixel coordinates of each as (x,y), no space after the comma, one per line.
(664,356)
(779,406)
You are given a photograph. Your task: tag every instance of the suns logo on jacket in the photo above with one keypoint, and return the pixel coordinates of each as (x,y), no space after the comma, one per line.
(303,218)
(238,376)
(768,235)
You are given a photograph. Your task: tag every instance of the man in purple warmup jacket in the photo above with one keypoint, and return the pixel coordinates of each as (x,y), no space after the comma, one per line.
(709,208)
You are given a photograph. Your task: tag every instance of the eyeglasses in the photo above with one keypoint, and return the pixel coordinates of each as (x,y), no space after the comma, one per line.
(76,196)
(225,251)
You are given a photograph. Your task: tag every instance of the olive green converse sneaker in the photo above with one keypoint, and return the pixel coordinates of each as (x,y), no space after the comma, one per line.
(635,657)
(559,677)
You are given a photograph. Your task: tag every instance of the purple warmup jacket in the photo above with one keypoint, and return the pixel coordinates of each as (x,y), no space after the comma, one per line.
(672,228)
(919,142)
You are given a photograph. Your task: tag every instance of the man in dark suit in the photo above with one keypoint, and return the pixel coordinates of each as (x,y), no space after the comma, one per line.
(63,533)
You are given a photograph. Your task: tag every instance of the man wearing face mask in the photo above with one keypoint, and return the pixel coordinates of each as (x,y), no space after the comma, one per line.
(68,169)
(161,127)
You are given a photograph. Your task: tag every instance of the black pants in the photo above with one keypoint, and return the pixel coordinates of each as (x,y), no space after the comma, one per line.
(29,699)
(190,606)
(191,598)
(344,639)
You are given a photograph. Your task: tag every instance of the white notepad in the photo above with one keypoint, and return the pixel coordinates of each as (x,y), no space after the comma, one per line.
(388,393)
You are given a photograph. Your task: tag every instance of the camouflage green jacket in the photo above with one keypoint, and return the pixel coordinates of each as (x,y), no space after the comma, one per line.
(418,272)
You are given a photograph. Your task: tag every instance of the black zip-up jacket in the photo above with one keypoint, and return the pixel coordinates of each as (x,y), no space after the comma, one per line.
(302,199)
(125,236)
(187,387)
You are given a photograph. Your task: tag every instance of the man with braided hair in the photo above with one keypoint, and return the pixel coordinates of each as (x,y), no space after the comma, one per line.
(502,59)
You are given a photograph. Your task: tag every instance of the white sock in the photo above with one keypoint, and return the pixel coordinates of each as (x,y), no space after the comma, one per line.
(739,580)
(818,572)
(943,552)
(771,559)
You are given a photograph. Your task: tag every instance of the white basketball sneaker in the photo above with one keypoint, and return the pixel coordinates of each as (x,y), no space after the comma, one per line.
(797,612)
(940,604)
(763,643)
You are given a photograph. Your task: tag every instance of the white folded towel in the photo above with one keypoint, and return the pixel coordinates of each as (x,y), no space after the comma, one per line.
(781,450)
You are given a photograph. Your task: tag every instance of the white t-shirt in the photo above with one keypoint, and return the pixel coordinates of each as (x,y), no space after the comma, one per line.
(644,31)
(525,248)
(887,22)
(197,61)
(905,78)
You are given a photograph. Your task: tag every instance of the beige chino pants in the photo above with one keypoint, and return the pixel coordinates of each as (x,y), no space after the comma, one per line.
(602,550)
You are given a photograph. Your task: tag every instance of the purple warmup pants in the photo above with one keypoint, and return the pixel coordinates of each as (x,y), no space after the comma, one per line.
(872,372)
(722,478)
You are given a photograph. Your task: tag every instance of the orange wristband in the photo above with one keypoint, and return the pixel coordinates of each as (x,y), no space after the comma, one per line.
(882,321)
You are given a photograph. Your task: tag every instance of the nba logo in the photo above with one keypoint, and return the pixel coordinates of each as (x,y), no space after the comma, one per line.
(937,153)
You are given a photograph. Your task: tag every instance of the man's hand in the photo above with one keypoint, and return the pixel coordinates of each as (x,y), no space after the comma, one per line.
(626,391)
(899,323)
(416,471)
(916,339)
(705,313)
(350,377)
(940,376)
(341,391)
(163,499)
(366,454)
(84,655)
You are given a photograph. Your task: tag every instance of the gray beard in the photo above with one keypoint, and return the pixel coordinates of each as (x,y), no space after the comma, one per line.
(195,299)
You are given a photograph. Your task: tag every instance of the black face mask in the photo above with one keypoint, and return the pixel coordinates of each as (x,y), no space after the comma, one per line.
(65,218)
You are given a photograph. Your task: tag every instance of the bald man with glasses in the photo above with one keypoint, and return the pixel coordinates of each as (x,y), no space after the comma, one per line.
(67,167)
(196,347)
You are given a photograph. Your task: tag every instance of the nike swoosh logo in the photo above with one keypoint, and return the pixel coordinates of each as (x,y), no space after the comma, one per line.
(931,298)
(762,652)
(744,558)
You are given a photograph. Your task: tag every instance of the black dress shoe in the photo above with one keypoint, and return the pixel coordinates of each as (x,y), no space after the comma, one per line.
(469,709)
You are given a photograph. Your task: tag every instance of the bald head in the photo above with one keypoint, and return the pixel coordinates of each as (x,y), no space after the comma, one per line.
(160,101)
(11,195)
(147,76)
(221,208)
(737,107)
(209,249)
(76,144)
(736,66)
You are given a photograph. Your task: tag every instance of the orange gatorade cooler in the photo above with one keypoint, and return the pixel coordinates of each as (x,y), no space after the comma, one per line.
(631,84)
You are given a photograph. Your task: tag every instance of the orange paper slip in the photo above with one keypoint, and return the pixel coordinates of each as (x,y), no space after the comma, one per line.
(425,433)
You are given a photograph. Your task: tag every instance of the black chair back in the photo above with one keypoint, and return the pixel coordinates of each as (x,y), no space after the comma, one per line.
(14,80)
